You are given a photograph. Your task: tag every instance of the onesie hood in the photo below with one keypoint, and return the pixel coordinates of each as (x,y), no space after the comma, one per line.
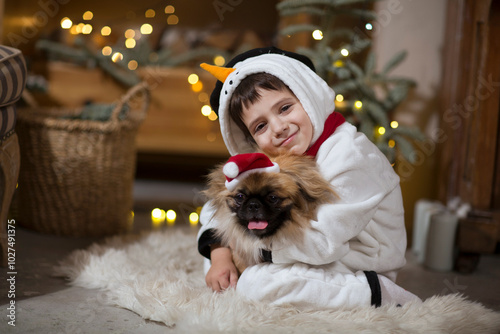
(296,71)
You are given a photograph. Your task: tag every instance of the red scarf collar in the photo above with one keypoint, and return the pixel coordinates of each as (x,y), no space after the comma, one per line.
(332,122)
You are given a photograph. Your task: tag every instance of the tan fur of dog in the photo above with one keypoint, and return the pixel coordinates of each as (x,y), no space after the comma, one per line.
(301,189)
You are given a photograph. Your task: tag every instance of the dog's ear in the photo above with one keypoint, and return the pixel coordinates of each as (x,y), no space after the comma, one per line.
(305,173)
(216,182)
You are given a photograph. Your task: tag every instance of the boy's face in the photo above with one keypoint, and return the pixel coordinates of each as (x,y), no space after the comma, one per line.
(278,123)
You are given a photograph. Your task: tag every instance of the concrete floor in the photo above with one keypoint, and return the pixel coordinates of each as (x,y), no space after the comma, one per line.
(46,304)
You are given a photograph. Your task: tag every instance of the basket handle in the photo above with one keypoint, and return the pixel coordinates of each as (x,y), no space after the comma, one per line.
(139,90)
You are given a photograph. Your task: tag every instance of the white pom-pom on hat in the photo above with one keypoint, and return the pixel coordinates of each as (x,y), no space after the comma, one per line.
(231,170)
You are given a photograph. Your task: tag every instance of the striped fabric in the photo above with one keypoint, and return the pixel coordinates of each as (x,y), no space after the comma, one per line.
(7,121)
(12,81)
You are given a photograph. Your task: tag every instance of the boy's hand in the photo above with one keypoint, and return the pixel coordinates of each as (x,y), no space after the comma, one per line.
(223,273)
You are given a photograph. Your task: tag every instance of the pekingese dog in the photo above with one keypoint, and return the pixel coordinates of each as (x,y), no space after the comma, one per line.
(267,206)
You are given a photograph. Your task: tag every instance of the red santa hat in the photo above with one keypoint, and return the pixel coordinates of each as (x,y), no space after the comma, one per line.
(240,166)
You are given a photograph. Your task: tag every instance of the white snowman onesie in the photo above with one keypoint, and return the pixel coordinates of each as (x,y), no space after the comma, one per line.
(361,233)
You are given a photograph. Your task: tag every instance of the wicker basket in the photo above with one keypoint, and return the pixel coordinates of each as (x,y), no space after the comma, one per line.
(76,176)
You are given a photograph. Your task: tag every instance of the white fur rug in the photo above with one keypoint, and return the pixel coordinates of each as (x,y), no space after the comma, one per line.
(160,277)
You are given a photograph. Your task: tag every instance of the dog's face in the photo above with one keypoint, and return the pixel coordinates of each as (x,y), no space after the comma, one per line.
(264,204)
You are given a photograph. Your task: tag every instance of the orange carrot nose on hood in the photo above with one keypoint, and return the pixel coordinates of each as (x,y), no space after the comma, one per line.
(316,97)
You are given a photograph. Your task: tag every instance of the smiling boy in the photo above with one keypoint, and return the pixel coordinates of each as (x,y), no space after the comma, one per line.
(273,100)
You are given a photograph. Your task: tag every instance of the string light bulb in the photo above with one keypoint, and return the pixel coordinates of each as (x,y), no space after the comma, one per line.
(79,28)
(172,20)
(106,31)
(197,87)
(106,51)
(394,124)
(213,116)
(203,97)
(358,105)
(116,57)
(211,137)
(193,78)
(344,52)
(88,15)
(317,35)
(169,9)
(193,218)
(132,65)
(146,29)
(157,217)
(219,60)
(206,110)
(338,63)
(381,130)
(87,29)
(171,216)
(66,23)
(129,33)
(130,43)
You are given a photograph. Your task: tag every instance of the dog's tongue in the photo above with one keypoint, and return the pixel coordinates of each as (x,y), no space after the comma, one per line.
(257,225)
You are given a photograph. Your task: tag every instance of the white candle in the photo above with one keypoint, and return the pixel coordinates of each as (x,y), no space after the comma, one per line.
(440,248)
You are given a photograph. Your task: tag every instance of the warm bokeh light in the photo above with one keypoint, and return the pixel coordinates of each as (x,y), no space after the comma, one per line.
(106,31)
(66,23)
(381,130)
(116,57)
(172,20)
(130,43)
(358,104)
(197,87)
(87,29)
(211,137)
(344,52)
(213,116)
(338,63)
(79,28)
(132,65)
(88,15)
(129,33)
(219,61)
(194,218)
(146,29)
(150,13)
(156,213)
(317,35)
(339,98)
(193,78)
(157,217)
(169,9)
(203,97)
(206,110)
(391,143)
(107,50)
(171,216)
(394,124)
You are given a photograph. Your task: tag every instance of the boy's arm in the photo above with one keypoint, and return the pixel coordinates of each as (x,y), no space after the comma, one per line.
(222,273)
(328,238)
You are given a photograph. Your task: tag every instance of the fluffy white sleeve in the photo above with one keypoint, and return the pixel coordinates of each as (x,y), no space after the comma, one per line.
(362,177)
